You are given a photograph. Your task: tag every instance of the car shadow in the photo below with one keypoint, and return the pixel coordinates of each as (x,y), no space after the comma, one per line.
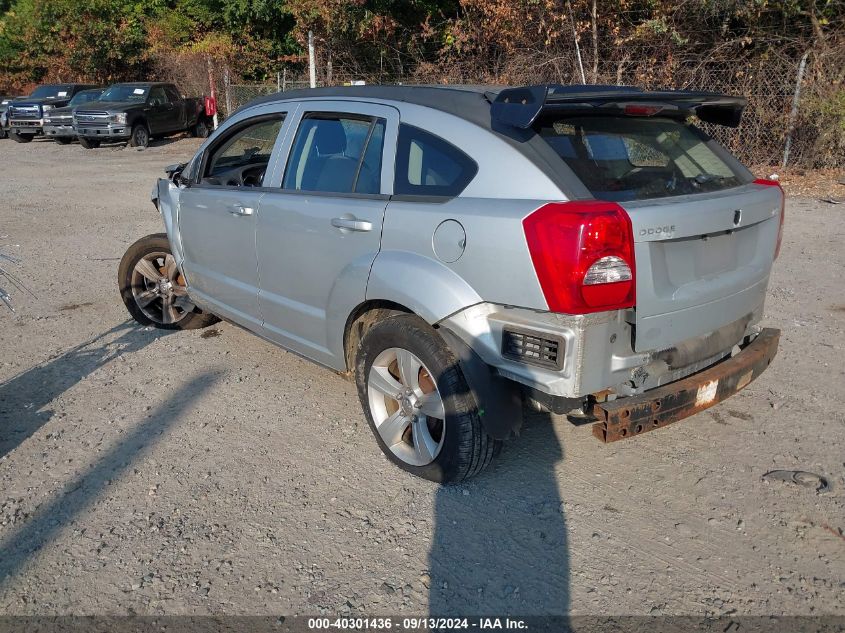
(65,506)
(169,140)
(500,542)
(25,399)
(117,145)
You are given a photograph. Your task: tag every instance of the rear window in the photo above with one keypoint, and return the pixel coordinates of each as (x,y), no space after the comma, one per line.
(427,165)
(624,158)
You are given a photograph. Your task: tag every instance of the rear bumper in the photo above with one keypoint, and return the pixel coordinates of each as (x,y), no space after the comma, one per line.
(627,417)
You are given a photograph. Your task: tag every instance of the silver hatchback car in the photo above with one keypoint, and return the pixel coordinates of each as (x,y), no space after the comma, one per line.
(462,251)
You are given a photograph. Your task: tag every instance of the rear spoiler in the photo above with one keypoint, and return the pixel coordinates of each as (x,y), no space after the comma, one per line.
(520,107)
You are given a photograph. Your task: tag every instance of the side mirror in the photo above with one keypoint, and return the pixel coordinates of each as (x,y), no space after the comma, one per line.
(174,173)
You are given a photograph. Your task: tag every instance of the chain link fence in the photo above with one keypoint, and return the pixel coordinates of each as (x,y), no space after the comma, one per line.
(761,136)
(768,84)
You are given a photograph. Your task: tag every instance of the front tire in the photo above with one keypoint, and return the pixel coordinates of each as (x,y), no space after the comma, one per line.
(89,143)
(422,412)
(63,140)
(153,289)
(21,138)
(140,136)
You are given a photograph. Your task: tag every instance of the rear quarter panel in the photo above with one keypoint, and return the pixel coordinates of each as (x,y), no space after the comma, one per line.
(495,265)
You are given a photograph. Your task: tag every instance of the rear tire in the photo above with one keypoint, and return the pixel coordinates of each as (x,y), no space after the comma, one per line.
(89,143)
(63,140)
(463,448)
(140,136)
(153,289)
(201,129)
(21,138)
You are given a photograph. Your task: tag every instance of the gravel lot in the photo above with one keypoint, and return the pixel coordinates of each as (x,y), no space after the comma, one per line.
(210,472)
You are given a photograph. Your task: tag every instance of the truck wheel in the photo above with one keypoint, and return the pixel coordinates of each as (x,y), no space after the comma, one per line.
(21,138)
(3,133)
(140,136)
(201,129)
(63,140)
(154,290)
(89,143)
(418,404)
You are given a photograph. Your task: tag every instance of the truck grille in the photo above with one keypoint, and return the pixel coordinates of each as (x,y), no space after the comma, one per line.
(24,112)
(91,119)
(535,348)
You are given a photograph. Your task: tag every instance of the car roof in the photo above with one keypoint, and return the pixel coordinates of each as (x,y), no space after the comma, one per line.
(473,102)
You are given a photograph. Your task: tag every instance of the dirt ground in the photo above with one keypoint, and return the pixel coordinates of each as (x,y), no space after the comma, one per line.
(210,472)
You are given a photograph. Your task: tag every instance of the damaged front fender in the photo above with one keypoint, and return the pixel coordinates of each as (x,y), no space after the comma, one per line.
(165,197)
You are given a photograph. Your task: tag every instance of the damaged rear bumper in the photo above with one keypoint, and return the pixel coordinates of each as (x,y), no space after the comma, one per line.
(627,417)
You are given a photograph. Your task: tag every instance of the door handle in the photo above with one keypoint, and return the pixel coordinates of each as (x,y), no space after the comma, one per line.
(352,224)
(239,209)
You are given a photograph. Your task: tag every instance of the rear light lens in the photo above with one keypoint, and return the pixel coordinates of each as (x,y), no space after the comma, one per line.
(633,109)
(583,254)
(775,183)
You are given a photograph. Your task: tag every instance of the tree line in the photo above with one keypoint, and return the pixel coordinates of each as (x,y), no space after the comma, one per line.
(112,40)
(750,47)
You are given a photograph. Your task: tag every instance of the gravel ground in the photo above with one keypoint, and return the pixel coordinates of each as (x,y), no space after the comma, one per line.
(210,472)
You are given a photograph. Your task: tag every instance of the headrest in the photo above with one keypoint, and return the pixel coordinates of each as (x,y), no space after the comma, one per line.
(330,137)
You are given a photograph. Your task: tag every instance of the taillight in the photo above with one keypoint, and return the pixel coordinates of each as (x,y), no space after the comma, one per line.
(637,109)
(583,254)
(775,183)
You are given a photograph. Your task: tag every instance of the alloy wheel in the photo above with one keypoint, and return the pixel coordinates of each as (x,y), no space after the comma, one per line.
(406,406)
(159,289)
(142,137)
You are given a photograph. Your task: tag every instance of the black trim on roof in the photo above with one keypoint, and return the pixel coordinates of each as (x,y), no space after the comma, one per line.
(518,107)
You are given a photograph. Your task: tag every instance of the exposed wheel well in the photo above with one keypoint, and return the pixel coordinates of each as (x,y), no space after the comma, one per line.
(362,319)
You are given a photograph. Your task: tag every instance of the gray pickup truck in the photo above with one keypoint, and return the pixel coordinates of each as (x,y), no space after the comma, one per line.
(461,251)
(138,112)
(58,122)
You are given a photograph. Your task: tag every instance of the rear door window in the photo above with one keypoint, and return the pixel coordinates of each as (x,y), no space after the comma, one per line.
(624,158)
(172,94)
(427,165)
(336,153)
(158,97)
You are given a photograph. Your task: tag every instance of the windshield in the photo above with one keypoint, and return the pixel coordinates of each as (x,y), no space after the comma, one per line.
(85,96)
(625,158)
(50,92)
(125,93)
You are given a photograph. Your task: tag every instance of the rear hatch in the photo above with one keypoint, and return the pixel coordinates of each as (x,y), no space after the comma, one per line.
(705,232)
(702,262)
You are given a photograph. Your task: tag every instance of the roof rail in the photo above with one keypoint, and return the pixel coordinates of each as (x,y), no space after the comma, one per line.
(519,107)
